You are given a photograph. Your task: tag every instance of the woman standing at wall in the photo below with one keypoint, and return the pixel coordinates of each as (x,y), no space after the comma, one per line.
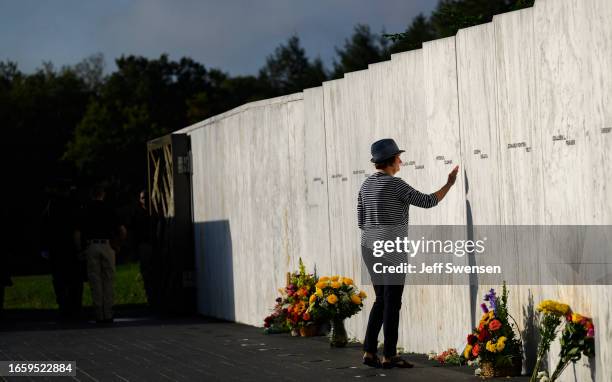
(382,210)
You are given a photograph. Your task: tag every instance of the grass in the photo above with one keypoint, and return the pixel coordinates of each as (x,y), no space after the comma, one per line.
(36,292)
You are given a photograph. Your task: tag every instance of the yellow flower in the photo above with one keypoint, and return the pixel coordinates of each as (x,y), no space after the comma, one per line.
(332,299)
(322,284)
(363,294)
(576,318)
(496,347)
(335,278)
(324,278)
(313,298)
(347,281)
(335,284)
(355,299)
(487,317)
(554,307)
(319,292)
(468,351)
(491,346)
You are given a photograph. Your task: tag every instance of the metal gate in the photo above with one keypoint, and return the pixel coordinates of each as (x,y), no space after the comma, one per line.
(172,286)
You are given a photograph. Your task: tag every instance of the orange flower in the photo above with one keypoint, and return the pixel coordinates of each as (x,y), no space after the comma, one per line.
(355,299)
(476,350)
(300,307)
(336,284)
(322,284)
(495,325)
(332,299)
(577,318)
(313,298)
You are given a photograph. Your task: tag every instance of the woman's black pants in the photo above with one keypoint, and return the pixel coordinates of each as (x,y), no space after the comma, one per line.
(385,313)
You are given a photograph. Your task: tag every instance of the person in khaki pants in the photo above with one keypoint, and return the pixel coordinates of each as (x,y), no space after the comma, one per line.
(98,225)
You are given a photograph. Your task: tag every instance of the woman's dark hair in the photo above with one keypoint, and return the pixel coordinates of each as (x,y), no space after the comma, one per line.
(384,164)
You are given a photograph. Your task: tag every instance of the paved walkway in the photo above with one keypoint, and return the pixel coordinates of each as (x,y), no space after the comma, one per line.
(143,348)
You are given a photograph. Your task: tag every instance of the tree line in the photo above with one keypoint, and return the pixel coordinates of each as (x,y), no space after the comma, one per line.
(82,125)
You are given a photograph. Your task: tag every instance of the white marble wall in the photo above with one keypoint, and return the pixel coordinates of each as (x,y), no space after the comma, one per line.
(276,180)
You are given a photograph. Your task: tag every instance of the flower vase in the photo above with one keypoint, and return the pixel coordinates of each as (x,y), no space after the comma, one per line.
(489,370)
(295,332)
(337,335)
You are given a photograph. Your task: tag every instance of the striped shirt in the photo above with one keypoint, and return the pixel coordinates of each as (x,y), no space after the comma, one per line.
(382,207)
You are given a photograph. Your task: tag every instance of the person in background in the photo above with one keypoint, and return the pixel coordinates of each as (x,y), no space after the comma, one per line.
(382,214)
(97,226)
(59,219)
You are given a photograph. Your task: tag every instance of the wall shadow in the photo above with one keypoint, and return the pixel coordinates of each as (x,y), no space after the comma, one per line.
(531,335)
(214,269)
(473,277)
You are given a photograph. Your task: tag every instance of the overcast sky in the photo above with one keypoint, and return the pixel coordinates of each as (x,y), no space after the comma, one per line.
(233,35)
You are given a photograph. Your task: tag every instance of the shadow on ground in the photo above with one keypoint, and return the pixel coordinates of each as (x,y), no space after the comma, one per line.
(144,346)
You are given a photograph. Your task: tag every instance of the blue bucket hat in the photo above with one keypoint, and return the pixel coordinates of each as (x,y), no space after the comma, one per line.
(384,149)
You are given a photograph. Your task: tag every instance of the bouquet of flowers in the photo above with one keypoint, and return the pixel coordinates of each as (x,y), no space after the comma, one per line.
(576,339)
(335,298)
(449,357)
(494,342)
(277,321)
(551,312)
(291,309)
(301,286)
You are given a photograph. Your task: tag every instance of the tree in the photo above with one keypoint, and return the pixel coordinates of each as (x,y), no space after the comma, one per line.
(288,70)
(142,100)
(450,16)
(417,33)
(39,112)
(91,71)
(362,49)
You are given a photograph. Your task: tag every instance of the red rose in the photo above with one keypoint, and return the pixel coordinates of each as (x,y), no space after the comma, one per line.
(476,350)
(472,339)
(483,335)
(306,316)
(495,325)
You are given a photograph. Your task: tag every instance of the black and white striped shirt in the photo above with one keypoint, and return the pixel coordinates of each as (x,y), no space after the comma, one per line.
(382,207)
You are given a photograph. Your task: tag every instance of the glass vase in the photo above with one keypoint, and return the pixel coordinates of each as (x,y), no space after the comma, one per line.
(337,335)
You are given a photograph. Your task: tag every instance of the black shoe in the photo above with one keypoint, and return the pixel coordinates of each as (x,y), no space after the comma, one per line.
(397,362)
(372,362)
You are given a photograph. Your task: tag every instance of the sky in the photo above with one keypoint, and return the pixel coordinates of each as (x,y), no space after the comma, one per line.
(233,35)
